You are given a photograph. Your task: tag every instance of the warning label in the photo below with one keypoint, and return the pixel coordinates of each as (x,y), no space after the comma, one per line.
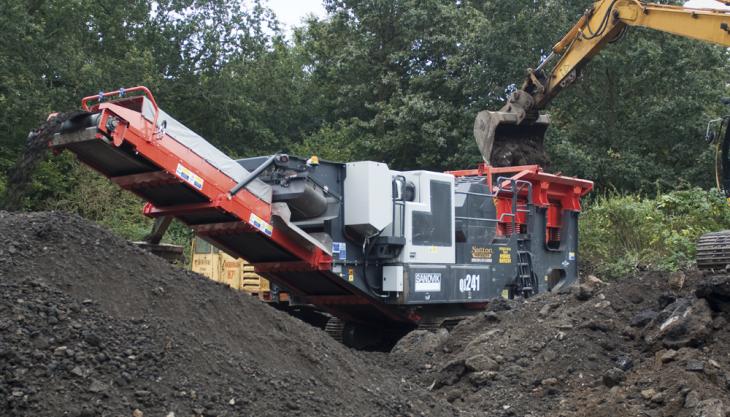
(505,255)
(189,177)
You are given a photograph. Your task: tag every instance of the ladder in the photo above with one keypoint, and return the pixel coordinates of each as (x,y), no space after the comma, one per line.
(525,279)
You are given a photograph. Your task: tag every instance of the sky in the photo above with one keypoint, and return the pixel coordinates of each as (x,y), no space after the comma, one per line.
(705,3)
(291,12)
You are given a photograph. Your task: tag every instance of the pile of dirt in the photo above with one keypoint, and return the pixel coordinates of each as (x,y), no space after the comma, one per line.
(90,325)
(652,346)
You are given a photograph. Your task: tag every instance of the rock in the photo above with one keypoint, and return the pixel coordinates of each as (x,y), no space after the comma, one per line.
(583,292)
(657,398)
(719,323)
(421,342)
(716,290)
(545,310)
(596,325)
(647,394)
(665,299)
(479,363)
(593,281)
(482,378)
(97,386)
(624,363)
(692,399)
(142,394)
(549,382)
(613,377)
(643,318)
(137,413)
(92,340)
(668,356)
(78,372)
(676,280)
(450,374)
(499,304)
(682,323)
(549,355)
(694,365)
(710,408)
(491,317)
(453,395)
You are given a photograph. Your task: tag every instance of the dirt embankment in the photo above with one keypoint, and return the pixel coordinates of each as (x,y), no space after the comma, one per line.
(92,326)
(652,346)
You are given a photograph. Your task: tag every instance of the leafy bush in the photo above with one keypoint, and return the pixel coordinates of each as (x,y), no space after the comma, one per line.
(623,234)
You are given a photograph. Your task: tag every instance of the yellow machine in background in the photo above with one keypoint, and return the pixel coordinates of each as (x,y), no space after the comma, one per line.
(236,273)
(219,266)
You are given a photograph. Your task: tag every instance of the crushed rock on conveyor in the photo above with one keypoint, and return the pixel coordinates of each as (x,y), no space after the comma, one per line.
(653,346)
(90,325)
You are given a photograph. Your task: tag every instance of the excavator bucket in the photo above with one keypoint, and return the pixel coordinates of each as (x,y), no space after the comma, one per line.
(505,140)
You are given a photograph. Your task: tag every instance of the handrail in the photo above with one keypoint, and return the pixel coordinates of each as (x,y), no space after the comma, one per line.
(515,186)
(122,92)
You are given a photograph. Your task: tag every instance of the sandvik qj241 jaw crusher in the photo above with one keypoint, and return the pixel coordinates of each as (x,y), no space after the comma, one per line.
(381,250)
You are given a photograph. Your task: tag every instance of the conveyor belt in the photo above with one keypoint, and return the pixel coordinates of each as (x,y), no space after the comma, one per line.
(143,150)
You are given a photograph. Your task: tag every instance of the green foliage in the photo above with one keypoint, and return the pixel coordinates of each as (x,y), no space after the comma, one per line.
(408,76)
(94,197)
(637,116)
(397,81)
(620,235)
(331,142)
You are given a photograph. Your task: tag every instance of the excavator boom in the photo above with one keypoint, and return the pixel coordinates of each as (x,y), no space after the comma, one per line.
(515,133)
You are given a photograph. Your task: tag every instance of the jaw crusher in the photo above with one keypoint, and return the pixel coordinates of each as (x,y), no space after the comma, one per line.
(383,251)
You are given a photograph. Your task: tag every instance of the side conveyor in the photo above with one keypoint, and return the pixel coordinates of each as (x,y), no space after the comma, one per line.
(145,151)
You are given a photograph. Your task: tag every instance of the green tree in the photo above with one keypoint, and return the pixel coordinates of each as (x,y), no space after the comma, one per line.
(636,119)
(407,77)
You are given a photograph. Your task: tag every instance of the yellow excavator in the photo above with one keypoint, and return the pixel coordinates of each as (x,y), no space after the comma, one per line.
(514,135)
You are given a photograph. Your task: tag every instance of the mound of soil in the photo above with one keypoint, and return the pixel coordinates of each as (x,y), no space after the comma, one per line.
(90,325)
(653,346)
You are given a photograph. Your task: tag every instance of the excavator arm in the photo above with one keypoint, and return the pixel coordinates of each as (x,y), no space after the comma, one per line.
(519,125)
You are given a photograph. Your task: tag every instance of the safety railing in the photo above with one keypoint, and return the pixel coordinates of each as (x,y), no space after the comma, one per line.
(123,93)
(505,185)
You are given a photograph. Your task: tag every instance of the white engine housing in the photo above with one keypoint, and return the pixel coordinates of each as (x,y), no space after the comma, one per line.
(368,197)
